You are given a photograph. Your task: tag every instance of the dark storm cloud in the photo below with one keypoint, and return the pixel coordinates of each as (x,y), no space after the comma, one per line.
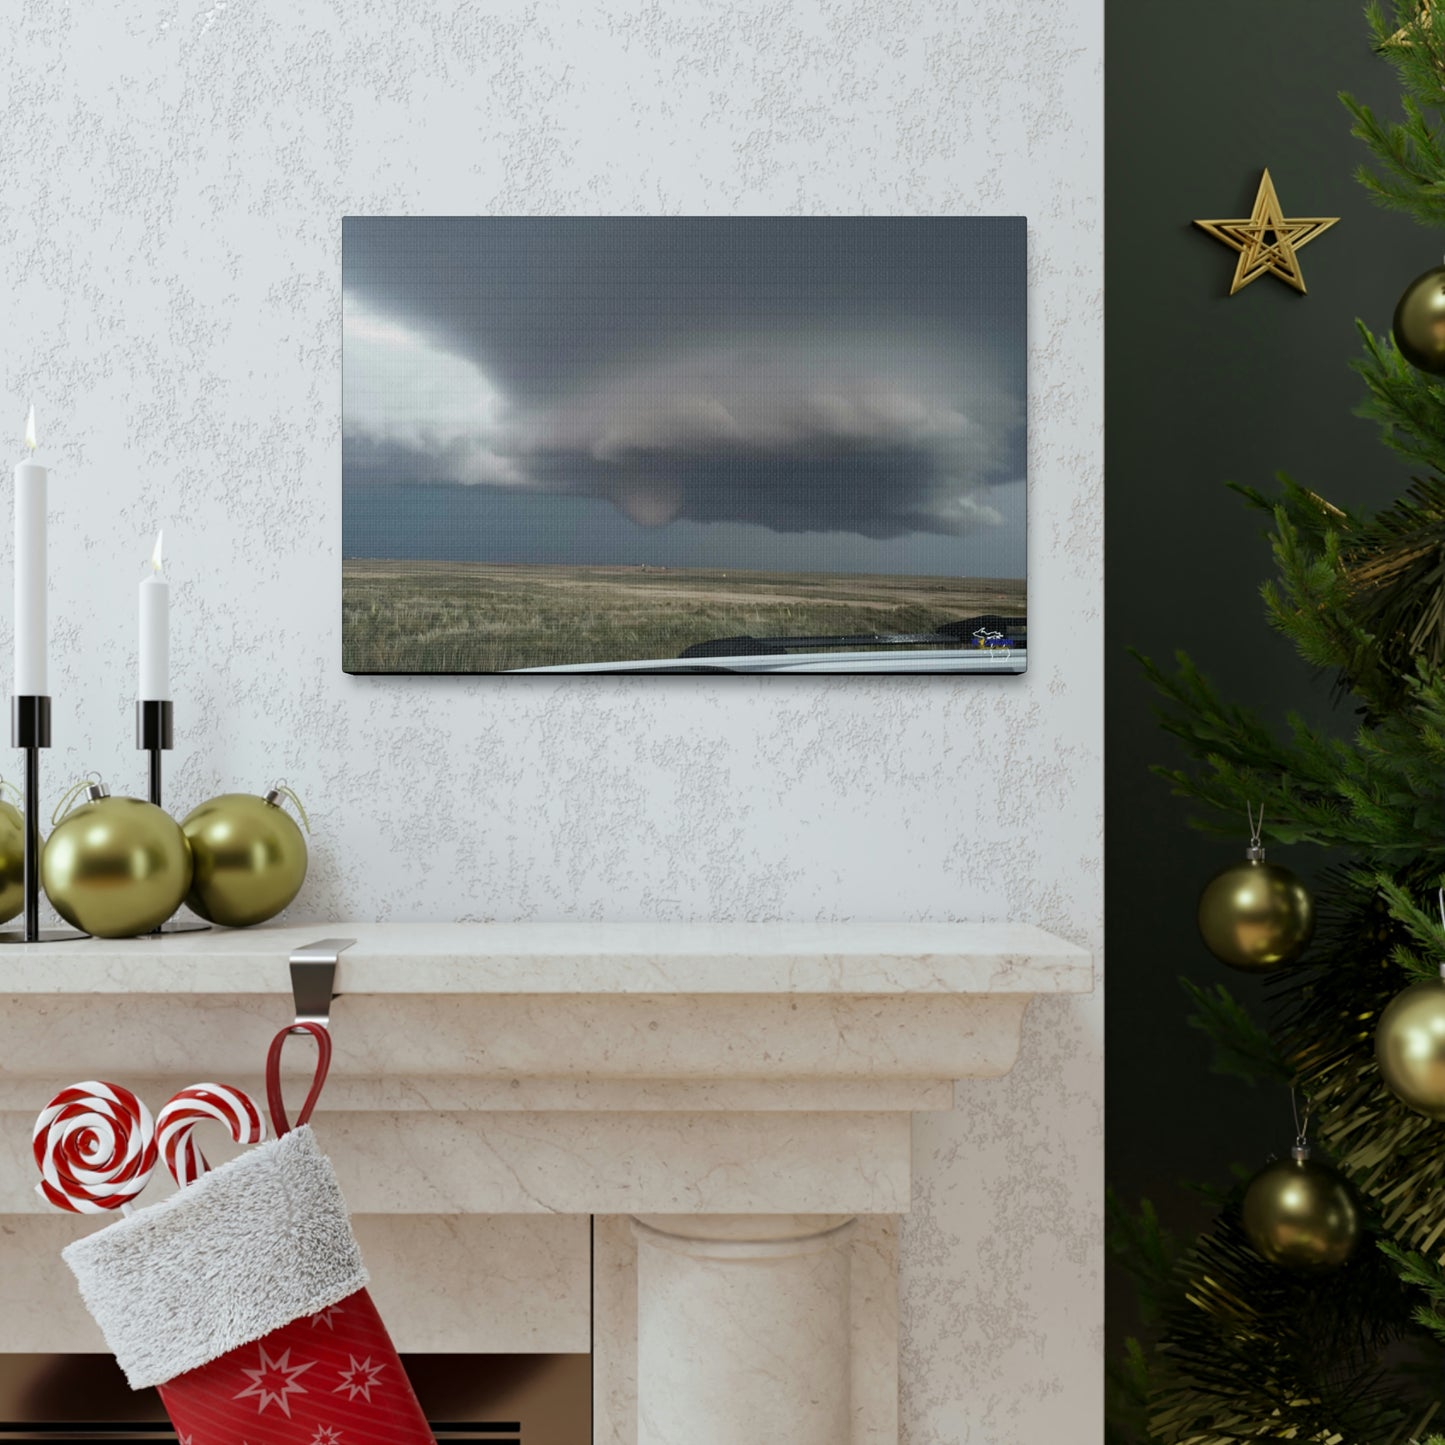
(803,375)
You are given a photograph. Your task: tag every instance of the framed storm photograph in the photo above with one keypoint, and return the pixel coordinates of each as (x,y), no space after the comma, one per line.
(685,445)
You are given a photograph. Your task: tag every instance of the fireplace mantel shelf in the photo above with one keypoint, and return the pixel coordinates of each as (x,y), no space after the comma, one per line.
(711,1094)
(574,1045)
(574,958)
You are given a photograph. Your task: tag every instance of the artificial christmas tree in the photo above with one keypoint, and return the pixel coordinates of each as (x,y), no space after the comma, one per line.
(1246,1348)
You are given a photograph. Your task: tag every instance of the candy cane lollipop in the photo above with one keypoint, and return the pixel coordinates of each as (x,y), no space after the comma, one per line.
(95,1145)
(199,1104)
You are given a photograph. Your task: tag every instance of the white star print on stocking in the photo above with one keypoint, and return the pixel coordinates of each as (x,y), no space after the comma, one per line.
(273,1382)
(360,1378)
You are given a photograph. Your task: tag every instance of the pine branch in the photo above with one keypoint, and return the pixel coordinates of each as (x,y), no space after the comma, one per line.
(1313,604)
(1378,794)
(1147,1250)
(1255,1353)
(1126,1398)
(1241,1047)
(1424,1275)
(1149,1253)
(1421,963)
(1393,581)
(1308,512)
(1407,404)
(1409,165)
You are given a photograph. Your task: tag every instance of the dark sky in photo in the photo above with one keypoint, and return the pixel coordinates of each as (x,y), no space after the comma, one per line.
(809,394)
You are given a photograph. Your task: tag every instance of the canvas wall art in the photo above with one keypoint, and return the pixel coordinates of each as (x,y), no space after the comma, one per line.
(684,445)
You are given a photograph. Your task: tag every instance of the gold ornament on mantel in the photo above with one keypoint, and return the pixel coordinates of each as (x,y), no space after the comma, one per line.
(250,857)
(114,867)
(1255,915)
(12,856)
(1268,242)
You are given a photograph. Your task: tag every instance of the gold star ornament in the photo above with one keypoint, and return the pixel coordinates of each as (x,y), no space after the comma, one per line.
(1268,242)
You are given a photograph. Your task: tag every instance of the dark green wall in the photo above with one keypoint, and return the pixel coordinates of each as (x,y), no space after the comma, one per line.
(1204,388)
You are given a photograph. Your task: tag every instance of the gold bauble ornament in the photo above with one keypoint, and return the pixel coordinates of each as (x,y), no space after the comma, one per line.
(1301,1214)
(1419,325)
(1410,1047)
(250,857)
(114,867)
(12,860)
(1256,915)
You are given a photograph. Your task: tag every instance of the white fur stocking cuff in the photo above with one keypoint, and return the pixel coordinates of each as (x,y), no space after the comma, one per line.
(249,1247)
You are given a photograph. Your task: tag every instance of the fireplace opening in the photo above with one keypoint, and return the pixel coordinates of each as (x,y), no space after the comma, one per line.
(501,1399)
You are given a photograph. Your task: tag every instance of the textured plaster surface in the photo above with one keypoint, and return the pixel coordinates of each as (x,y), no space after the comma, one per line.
(171,190)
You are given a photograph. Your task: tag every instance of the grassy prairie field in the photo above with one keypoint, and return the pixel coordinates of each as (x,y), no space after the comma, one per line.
(491,617)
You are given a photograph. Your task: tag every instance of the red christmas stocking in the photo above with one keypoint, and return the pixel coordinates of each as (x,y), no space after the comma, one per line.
(243,1298)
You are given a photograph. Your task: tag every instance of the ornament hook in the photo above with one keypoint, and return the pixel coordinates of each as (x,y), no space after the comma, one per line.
(1440,898)
(280,790)
(1255,851)
(1301,1148)
(91,782)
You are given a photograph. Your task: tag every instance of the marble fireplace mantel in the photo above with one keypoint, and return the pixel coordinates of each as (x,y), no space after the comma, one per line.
(732,1101)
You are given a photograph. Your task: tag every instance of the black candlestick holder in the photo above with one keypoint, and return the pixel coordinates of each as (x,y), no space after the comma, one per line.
(30,730)
(155,734)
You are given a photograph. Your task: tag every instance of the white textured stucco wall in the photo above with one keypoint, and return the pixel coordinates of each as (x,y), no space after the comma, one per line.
(171,186)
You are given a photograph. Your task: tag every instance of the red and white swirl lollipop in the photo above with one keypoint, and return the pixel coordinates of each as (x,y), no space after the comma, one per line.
(95,1146)
(203,1104)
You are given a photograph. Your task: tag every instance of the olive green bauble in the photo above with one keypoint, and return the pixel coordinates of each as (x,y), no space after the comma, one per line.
(1301,1214)
(115,867)
(1419,326)
(1410,1047)
(250,858)
(1256,916)
(12,861)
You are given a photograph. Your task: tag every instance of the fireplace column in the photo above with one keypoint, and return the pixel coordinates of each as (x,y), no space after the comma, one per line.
(743,1329)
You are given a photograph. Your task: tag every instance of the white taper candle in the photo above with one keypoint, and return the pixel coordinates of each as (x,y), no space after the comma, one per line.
(155,632)
(30,616)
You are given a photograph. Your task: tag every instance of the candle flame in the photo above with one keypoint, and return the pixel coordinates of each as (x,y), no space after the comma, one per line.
(156,555)
(30,428)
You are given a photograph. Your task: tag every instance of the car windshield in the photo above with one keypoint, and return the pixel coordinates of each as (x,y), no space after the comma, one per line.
(982,631)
